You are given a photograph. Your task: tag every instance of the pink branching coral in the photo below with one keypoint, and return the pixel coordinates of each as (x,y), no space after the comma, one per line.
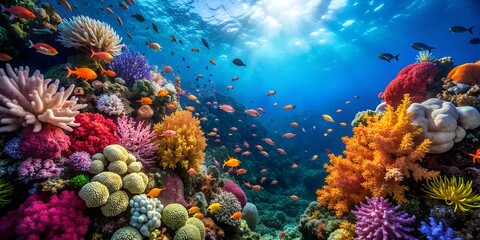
(49,142)
(95,133)
(55,217)
(137,139)
(33,100)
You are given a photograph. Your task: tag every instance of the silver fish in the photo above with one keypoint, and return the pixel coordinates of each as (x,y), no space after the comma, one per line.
(42,31)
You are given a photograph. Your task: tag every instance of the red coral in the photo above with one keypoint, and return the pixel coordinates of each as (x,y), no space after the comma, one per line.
(43,217)
(413,80)
(48,143)
(94,133)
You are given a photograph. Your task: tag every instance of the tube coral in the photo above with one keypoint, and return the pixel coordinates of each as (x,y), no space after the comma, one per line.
(33,100)
(131,67)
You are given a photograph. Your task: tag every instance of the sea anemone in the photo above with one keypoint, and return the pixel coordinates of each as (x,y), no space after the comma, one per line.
(110,104)
(424,56)
(454,191)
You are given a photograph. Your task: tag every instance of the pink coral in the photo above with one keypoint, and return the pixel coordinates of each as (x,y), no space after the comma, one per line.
(233,188)
(413,80)
(94,133)
(49,142)
(137,139)
(47,217)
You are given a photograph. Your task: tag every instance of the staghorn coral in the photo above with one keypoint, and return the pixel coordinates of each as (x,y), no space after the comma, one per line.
(137,139)
(373,151)
(86,33)
(454,191)
(434,230)
(33,100)
(186,148)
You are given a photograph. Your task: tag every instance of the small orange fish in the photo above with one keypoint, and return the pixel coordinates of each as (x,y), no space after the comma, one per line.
(294,197)
(5,57)
(85,73)
(119,20)
(315,157)
(246,153)
(294,165)
(274,182)
(227,108)
(281,151)
(191,171)
(154,192)
(145,101)
(252,112)
(153,45)
(236,215)
(163,93)
(193,209)
(199,215)
(190,108)
(259,147)
(247,184)
(213,62)
(44,48)
(195,50)
(240,171)
(256,188)
(289,135)
(233,128)
(18,12)
(168,133)
(171,106)
(265,154)
(271,93)
(231,162)
(327,118)
(109,73)
(294,124)
(102,56)
(65,4)
(263,180)
(269,141)
(343,124)
(289,107)
(264,170)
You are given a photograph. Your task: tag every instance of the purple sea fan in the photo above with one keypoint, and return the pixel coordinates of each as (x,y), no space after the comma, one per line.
(379,219)
(137,139)
(80,161)
(131,66)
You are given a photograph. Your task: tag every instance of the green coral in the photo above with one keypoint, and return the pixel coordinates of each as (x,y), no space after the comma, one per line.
(187,232)
(96,167)
(115,152)
(198,224)
(111,180)
(359,117)
(127,233)
(119,167)
(174,215)
(6,190)
(94,194)
(134,167)
(78,181)
(134,183)
(144,88)
(116,204)
(454,191)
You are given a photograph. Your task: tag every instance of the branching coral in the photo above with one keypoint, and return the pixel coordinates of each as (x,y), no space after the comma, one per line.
(137,138)
(434,230)
(186,147)
(382,144)
(87,33)
(454,191)
(110,104)
(26,100)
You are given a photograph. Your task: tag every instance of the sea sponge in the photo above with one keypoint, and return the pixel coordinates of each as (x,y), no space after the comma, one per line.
(116,204)
(111,180)
(86,33)
(250,215)
(115,152)
(229,186)
(96,167)
(119,167)
(145,213)
(185,148)
(131,158)
(94,194)
(134,183)
(134,167)
(188,232)
(468,73)
(101,157)
(127,233)
(198,224)
(174,215)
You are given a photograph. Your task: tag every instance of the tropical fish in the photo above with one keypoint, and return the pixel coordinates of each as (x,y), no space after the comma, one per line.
(154,45)
(65,4)
(162,93)
(174,39)
(85,73)
(315,157)
(102,56)
(294,165)
(213,62)
(474,40)
(274,182)
(236,215)
(281,151)
(238,62)
(269,141)
(421,46)
(460,29)
(339,110)
(259,147)
(327,118)
(171,106)
(231,162)
(167,69)
(44,48)
(139,17)
(227,108)
(154,27)
(199,215)
(191,171)
(119,20)
(289,135)
(168,133)
(294,197)
(265,154)
(294,124)
(129,35)
(343,124)
(154,192)
(271,93)
(263,180)
(388,56)
(246,153)
(240,171)
(289,107)
(195,50)
(205,43)
(5,57)
(281,235)
(229,87)
(41,31)
(108,10)
(235,78)
(256,188)
(145,101)
(252,112)
(214,207)
(193,209)
(109,73)
(18,12)
(122,5)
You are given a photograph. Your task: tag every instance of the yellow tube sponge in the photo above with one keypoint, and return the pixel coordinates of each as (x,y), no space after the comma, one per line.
(186,147)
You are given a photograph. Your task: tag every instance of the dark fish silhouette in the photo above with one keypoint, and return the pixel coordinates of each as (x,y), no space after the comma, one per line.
(388,56)
(172,53)
(421,46)
(174,39)
(183,58)
(155,28)
(206,67)
(460,29)
(474,41)
(129,35)
(180,41)
(139,17)
(238,62)
(205,43)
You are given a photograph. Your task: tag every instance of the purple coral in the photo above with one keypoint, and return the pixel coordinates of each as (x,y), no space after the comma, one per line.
(49,142)
(232,187)
(12,148)
(47,217)
(36,168)
(137,139)
(80,161)
(379,219)
(131,67)
(173,190)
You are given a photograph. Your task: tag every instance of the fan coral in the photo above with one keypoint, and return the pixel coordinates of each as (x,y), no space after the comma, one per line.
(185,148)
(47,143)
(33,100)
(6,190)
(61,217)
(230,205)
(379,219)
(382,144)
(413,80)
(80,161)
(454,191)
(110,104)
(12,148)
(468,73)
(435,231)
(144,221)
(131,67)
(87,33)
(137,138)
(36,168)
(95,133)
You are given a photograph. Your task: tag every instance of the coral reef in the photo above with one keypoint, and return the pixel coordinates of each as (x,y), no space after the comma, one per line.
(187,232)
(173,190)
(131,67)
(229,186)
(230,205)
(127,233)
(174,216)
(36,168)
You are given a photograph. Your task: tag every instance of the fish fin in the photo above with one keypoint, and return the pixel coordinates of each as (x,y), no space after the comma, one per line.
(396,57)
(93,53)
(12,17)
(470,30)
(31,44)
(69,71)
(387,60)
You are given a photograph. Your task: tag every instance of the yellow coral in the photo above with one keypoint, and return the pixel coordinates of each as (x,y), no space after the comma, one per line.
(186,147)
(454,191)
(348,231)
(377,147)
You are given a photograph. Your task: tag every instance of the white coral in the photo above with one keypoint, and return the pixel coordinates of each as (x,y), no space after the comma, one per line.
(87,33)
(33,100)
(110,104)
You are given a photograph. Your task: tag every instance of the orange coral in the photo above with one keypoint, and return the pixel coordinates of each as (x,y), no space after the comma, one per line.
(378,156)
(468,73)
(186,147)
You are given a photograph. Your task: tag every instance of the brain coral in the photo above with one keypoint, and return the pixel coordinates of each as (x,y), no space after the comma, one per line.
(187,232)
(116,204)
(230,205)
(134,183)
(174,215)
(127,233)
(86,33)
(111,180)
(185,148)
(94,194)
(198,224)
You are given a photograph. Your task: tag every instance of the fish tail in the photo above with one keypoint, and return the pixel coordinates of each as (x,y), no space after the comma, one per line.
(31,44)
(146,43)
(396,57)
(69,71)
(93,53)
(470,30)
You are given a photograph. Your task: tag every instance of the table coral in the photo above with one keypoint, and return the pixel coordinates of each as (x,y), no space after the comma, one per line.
(375,149)
(468,73)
